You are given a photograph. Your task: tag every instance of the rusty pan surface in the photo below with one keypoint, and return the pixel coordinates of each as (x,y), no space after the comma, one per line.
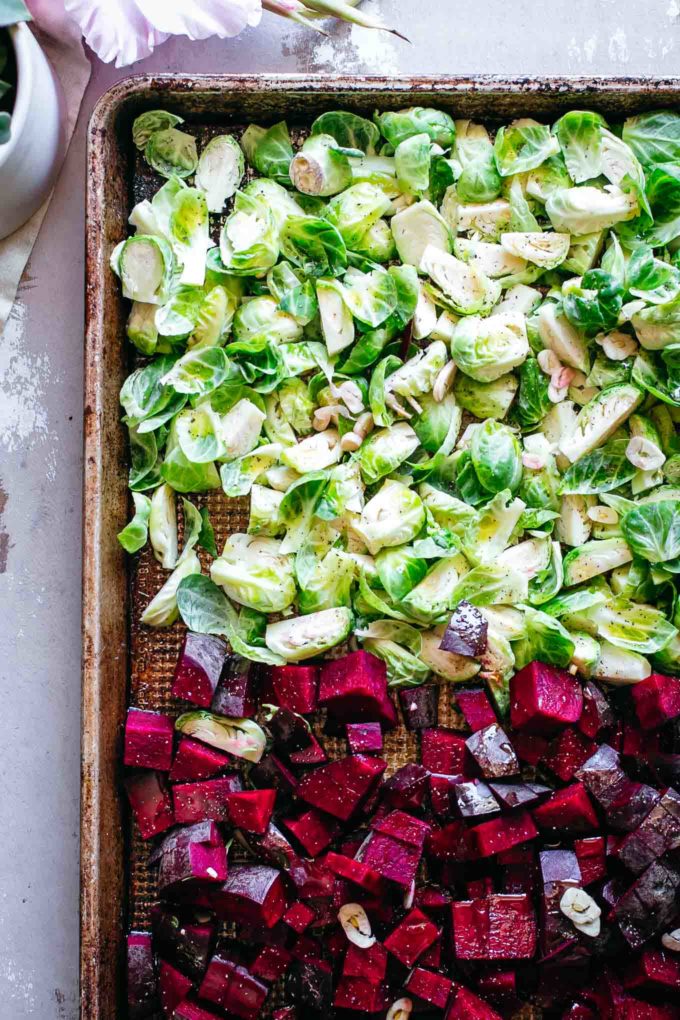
(122,661)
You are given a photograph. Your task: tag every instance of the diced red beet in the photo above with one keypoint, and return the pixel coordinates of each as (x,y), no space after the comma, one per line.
(235,692)
(339,788)
(403,827)
(466,631)
(602,775)
(559,871)
(432,900)
(354,689)
(198,668)
(501,987)
(208,798)
(650,904)
(412,936)
(569,810)
(148,740)
(658,832)
(451,843)
(442,793)
(406,788)
(313,830)
(174,987)
(192,1010)
(591,855)
(271,963)
(431,987)
(498,927)
(656,700)
(597,712)
(231,986)
(355,871)
(251,809)
(474,799)
(493,752)
(567,752)
(293,687)
(195,760)
(444,751)
(420,706)
(270,771)
(184,942)
(369,963)
(360,996)
(299,917)
(637,743)
(252,894)
(655,969)
(393,859)
(631,805)
(364,738)
(529,747)
(141,976)
(544,698)
(432,957)
(151,802)
(467,1006)
(477,709)
(515,795)
(290,731)
(193,854)
(313,754)
(500,834)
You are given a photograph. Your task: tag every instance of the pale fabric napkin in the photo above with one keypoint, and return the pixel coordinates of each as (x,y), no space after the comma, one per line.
(61,40)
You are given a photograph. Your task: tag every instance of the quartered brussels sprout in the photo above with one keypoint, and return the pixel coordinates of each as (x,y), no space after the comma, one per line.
(220,171)
(588,209)
(303,637)
(392,517)
(417,228)
(486,349)
(248,241)
(457,285)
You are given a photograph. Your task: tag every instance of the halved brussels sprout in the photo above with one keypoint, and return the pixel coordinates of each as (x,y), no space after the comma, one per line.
(144,264)
(261,317)
(487,349)
(146,124)
(337,323)
(557,334)
(248,241)
(220,170)
(573,526)
(163,526)
(314,453)
(162,611)
(141,327)
(320,167)
(241,737)
(600,418)
(491,259)
(417,228)
(544,249)
(620,667)
(430,599)
(588,209)
(594,558)
(303,637)
(392,517)
(264,512)
(356,210)
(385,449)
(171,153)
(486,400)
(490,219)
(255,573)
(458,286)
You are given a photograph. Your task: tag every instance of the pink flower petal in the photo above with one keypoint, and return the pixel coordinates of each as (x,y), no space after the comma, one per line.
(115,30)
(200,19)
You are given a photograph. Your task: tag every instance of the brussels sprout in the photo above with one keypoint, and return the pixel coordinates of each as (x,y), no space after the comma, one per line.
(402,124)
(412,160)
(392,517)
(417,228)
(594,303)
(546,250)
(584,252)
(652,532)
(377,244)
(324,583)
(315,245)
(303,637)
(399,570)
(415,378)
(264,512)
(320,167)
(593,558)
(404,668)
(297,406)
(141,327)
(356,210)
(241,737)
(633,626)
(144,265)
(496,457)
(429,600)
(587,209)
(220,171)
(573,526)
(620,667)
(315,453)
(490,219)
(446,665)
(547,640)
(491,585)
(349,130)
(255,573)
(579,133)
(438,424)
(378,170)
(491,259)
(146,124)
(520,299)
(486,400)
(171,153)
(487,349)
(557,334)
(599,419)
(269,150)
(261,317)
(279,201)
(458,286)
(336,318)
(448,511)
(425,315)
(189,234)
(486,538)
(238,475)
(657,326)
(163,526)
(544,180)
(162,610)
(385,450)
(134,535)
(522,146)
(248,241)
(370,297)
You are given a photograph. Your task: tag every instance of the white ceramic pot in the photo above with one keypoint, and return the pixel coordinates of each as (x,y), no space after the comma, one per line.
(30,160)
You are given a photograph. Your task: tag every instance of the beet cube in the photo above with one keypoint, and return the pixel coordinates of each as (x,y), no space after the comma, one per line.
(235,692)
(354,689)
(567,752)
(515,795)
(466,631)
(650,904)
(293,687)
(559,871)
(355,871)
(529,747)
(195,760)
(252,894)
(591,854)
(198,668)
(208,798)
(403,827)
(500,834)
(192,1010)
(432,899)
(544,698)
(148,740)
(451,843)
(174,987)
(658,832)
(271,963)
(299,917)
(431,987)
(493,752)
(498,927)
(656,700)
(391,858)
(251,809)
(234,988)
(412,936)
(270,771)
(654,969)
(568,810)
(597,712)
(364,738)
(468,1006)
(339,788)
(182,941)
(313,754)
(193,854)
(442,793)
(630,807)
(406,787)
(141,976)
(151,802)
(370,963)
(444,751)
(602,775)
(313,830)
(474,799)
(475,705)
(420,706)
(360,995)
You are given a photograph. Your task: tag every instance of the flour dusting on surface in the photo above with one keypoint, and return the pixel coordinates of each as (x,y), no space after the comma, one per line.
(618,46)
(23,417)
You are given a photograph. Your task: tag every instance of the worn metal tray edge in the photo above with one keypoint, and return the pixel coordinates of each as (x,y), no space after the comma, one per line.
(105,501)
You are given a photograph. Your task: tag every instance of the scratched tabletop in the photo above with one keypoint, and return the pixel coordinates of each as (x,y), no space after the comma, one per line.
(41,409)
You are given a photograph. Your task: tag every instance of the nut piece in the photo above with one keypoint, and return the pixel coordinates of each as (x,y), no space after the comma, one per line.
(671,940)
(350,442)
(350,394)
(400,1010)
(617,346)
(444,382)
(410,895)
(602,514)
(644,454)
(582,911)
(548,362)
(323,416)
(364,424)
(356,925)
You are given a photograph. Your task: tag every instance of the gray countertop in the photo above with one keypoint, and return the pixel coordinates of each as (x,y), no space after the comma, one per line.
(41,408)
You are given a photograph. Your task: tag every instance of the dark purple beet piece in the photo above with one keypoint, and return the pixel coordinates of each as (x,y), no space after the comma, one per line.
(404,827)
(312,754)
(657,833)
(354,689)
(251,809)
(148,740)
(271,963)
(591,856)
(602,775)
(270,771)
(442,793)
(420,706)
(339,788)
(597,712)
(184,942)
(650,904)
(431,987)
(559,870)
(498,927)
(515,795)
(360,996)
(195,854)
(406,788)
(569,811)
(656,700)
(543,699)
(293,687)
(412,936)
(235,692)
(174,987)
(195,760)
(493,752)
(466,632)
(230,985)
(501,834)
(208,798)
(630,806)
(444,751)
(141,976)
(192,1010)
(198,668)
(314,830)
(289,731)
(252,894)
(393,859)
(364,738)
(151,802)
(474,799)
(567,752)
(475,705)
(465,1005)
